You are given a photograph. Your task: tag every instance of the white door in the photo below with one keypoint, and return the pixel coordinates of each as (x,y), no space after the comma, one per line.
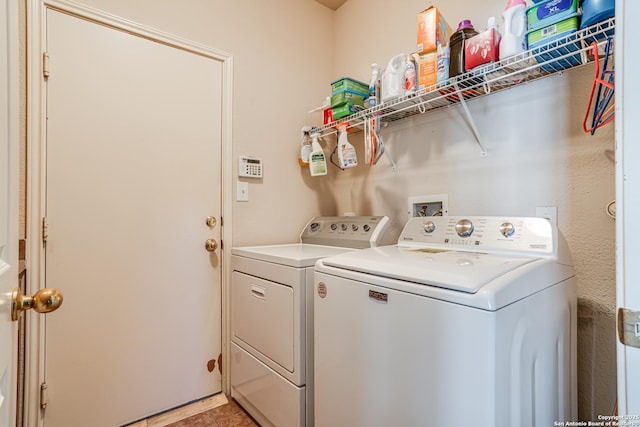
(8,208)
(628,203)
(133,171)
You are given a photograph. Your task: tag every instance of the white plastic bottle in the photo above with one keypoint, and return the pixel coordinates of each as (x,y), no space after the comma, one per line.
(318,161)
(392,80)
(514,28)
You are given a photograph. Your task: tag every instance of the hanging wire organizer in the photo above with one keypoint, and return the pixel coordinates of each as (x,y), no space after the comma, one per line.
(554,57)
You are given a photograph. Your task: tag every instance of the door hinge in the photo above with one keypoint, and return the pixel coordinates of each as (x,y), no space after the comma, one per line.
(221,221)
(629,327)
(45,229)
(221,244)
(43,396)
(45,65)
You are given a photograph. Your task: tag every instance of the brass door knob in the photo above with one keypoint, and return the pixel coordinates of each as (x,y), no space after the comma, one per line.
(211,245)
(44,301)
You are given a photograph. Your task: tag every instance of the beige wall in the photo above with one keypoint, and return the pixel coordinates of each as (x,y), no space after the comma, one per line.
(286,52)
(538,155)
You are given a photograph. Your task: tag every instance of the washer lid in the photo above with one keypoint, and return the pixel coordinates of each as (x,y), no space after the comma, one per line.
(455,270)
(292,255)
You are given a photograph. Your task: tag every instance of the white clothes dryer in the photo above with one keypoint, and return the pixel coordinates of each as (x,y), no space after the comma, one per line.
(465,322)
(272,316)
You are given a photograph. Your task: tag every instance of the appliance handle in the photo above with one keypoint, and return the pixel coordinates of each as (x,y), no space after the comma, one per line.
(258,292)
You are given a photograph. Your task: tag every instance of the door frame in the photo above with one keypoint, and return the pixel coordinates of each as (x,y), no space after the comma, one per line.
(36,171)
(627,62)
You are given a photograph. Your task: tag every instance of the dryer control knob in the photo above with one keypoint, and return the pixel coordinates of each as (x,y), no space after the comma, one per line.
(507,229)
(429,227)
(464,228)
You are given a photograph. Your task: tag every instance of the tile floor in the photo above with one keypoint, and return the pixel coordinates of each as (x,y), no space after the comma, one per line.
(215,411)
(228,415)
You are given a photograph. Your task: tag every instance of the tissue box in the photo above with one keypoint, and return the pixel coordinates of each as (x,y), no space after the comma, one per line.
(433,30)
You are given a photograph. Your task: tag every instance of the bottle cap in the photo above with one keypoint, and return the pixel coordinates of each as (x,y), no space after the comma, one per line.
(513,3)
(466,23)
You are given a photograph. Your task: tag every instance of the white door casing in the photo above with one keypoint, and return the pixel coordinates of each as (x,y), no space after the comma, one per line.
(149,213)
(8,207)
(627,86)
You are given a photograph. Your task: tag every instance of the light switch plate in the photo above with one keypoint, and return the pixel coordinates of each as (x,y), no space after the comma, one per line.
(242,191)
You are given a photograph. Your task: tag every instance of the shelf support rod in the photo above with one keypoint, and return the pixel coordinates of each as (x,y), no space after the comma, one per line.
(471,122)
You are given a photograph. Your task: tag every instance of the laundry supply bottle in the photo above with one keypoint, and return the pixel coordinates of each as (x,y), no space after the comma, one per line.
(411,74)
(456,45)
(318,161)
(496,37)
(305,149)
(514,29)
(374,86)
(392,80)
(346,152)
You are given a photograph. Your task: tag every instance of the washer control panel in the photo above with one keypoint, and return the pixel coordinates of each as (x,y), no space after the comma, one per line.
(347,231)
(517,234)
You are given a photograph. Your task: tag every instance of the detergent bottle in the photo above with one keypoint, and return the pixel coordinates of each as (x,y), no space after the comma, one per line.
(456,45)
(318,161)
(514,29)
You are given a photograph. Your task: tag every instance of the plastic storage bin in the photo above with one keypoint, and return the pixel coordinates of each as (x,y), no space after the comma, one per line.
(544,43)
(550,11)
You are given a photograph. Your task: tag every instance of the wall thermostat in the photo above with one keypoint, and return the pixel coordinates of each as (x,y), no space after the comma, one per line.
(250,167)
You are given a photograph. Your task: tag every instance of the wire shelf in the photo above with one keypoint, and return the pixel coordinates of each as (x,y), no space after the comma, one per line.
(553,57)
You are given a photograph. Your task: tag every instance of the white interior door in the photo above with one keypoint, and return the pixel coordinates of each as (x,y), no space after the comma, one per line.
(628,201)
(133,171)
(8,208)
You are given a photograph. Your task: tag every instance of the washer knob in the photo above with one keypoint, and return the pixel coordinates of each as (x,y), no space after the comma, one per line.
(354,227)
(314,226)
(344,227)
(366,227)
(334,227)
(464,228)
(507,229)
(429,227)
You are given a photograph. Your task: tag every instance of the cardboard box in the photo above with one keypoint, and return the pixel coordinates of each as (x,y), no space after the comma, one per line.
(433,30)
(427,70)
(433,68)
(481,49)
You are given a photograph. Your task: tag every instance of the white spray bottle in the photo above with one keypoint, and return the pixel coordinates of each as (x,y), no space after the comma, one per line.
(346,152)
(318,161)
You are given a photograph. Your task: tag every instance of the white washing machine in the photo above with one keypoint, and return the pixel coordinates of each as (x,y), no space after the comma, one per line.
(272,316)
(465,322)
